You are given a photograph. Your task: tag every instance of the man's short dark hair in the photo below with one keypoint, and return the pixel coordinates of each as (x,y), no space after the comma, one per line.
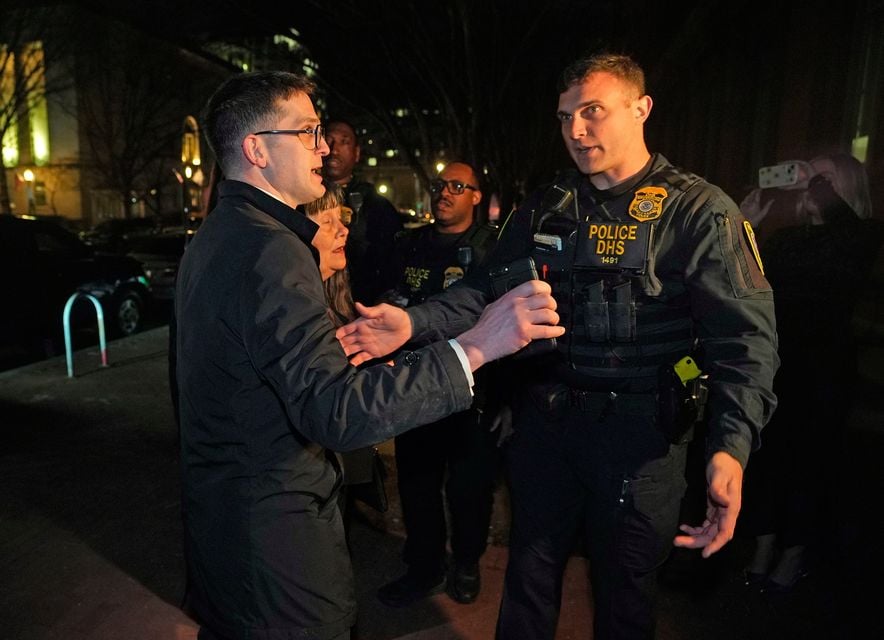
(621,66)
(246,103)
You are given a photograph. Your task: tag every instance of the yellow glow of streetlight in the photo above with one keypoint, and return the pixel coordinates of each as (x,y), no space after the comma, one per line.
(439,167)
(382,188)
(28,175)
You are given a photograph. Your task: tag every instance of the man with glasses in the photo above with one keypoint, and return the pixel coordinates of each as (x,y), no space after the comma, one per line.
(375,221)
(457,453)
(266,393)
(658,282)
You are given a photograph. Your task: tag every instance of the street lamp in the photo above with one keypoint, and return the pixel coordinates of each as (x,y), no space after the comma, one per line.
(28,175)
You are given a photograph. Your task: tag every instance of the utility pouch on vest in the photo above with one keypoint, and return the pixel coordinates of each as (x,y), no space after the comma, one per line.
(680,404)
(622,313)
(595,312)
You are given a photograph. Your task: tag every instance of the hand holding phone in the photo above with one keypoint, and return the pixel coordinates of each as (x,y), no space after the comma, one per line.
(511,275)
(508,276)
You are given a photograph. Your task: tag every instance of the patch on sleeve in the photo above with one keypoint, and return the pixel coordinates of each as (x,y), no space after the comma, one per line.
(753,244)
(741,257)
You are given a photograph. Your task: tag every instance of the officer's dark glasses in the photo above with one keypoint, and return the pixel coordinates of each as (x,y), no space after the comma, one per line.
(455,187)
(312,135)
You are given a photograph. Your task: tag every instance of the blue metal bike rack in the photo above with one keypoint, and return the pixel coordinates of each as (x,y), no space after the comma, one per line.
(67,329)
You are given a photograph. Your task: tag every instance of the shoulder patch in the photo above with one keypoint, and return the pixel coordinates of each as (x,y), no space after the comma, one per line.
(647,204)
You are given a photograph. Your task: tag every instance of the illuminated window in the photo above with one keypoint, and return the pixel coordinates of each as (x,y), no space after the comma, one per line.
(38,118)
(23,73)
(7,83)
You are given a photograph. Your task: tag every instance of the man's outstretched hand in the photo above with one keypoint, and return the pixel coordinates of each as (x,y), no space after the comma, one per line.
(379,331)
(525,313)
(724,479)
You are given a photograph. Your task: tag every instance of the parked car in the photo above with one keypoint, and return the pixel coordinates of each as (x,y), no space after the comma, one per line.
(43,264)
(160,255)
(116,234)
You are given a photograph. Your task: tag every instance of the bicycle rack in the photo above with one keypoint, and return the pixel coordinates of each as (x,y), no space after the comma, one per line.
(67,329)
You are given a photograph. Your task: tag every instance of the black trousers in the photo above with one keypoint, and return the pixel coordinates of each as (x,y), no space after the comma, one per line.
(617,477)
(462,446)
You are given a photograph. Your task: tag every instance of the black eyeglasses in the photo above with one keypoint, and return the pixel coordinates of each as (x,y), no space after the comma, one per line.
(314,135)
(455,187)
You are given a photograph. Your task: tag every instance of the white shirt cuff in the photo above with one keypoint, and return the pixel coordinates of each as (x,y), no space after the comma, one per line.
(464,362)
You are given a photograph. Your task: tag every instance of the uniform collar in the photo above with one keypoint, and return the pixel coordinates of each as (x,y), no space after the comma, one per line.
(655,162)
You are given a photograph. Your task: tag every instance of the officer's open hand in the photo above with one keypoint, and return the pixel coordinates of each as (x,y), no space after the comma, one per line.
(724,479)
(379,331)
(523,314)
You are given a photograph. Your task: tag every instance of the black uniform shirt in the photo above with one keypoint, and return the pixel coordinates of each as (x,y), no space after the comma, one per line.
(701,250)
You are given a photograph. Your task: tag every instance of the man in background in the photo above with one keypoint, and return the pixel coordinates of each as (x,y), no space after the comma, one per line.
(375,221)
(458,453)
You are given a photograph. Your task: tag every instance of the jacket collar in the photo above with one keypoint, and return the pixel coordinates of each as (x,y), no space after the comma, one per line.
(296,221)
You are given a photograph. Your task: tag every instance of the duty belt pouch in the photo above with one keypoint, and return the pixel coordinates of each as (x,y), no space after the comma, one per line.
(678,405)
(553,400)
(622,313)
(595,313)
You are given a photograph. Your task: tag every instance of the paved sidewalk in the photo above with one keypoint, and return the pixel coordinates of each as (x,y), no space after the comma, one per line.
(90,527)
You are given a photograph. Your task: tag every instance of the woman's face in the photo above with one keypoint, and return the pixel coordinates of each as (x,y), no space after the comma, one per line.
(329,241)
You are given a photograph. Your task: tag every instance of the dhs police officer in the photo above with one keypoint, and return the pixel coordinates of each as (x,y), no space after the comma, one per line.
(657,279)
(457,454)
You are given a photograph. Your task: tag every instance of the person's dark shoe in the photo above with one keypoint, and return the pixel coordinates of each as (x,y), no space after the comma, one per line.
(465,583)
(410,588)
(790,570)
(753,580)
(773,588)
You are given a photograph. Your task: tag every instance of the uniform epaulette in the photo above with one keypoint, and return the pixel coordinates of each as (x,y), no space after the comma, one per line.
(680,180)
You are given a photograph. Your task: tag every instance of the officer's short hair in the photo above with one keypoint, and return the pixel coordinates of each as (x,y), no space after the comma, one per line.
(346,123)
(246,103)
(621,66)
(477,179)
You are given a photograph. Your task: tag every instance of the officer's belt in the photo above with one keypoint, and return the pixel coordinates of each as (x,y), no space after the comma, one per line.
(625,404)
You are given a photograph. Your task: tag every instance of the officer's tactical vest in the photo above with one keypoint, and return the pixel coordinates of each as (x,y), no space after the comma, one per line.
(430,269)
(600,263)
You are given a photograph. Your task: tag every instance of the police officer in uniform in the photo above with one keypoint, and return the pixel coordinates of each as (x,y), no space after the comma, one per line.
(458,453)
(661,289)
(374,222)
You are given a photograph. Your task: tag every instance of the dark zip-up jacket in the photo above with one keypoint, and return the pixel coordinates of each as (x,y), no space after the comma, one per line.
(265,392)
